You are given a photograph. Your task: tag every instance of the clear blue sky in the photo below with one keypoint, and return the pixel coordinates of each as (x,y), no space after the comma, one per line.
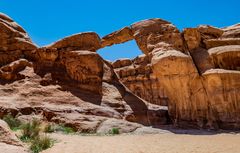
(49,20)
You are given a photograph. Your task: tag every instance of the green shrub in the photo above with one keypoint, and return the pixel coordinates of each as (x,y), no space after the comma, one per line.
(65,129)
(49,128)
(13,123)
(114,131)
(40,143)
(30,130)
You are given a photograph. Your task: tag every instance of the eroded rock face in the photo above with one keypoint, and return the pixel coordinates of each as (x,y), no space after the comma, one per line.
(197,90)
(222,87)
(8,140)
(137,75)
(86,68)
(11,71)
(226,57)
(14,41)
(230,36)
(156,34)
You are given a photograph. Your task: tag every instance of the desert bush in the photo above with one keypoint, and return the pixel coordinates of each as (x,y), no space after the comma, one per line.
(114,131)
(12,122)
(49,128)
(64,129)
(41,143)
(30,130)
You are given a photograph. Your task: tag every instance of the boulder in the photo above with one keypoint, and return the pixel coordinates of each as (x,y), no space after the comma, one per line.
(9,143)
(122,126)
(7,136)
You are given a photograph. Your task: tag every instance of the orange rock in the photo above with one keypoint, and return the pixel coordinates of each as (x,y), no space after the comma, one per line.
(149,34)
(82,41)
(14,41)
(117,37)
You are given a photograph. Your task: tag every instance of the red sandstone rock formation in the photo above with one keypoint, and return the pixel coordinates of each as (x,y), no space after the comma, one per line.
(197,70)
(14,41)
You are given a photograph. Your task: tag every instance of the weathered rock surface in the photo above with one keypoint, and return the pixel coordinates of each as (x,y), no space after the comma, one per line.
(14,41)
(11,71)
(222,88)
(8,141)
(82,41)
(232,31)
(226,57)
(137,75)
(156,34)
(117,37)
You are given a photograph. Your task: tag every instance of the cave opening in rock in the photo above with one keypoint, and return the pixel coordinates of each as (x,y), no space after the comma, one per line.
(118,51)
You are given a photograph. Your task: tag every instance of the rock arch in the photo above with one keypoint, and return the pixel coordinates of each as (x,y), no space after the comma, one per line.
(183,62)
(187,65)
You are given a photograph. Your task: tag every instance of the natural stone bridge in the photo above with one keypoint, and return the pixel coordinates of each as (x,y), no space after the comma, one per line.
(196,71)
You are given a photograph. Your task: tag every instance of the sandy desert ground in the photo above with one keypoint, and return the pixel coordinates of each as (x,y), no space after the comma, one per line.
(147,143)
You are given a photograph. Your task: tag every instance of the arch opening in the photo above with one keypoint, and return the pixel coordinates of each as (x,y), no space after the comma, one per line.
(118,51)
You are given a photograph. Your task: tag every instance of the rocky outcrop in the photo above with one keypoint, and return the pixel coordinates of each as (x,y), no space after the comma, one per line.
(8,141)
(230,36)
(232,31)
(11,71)
(14,41)
(186,65)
